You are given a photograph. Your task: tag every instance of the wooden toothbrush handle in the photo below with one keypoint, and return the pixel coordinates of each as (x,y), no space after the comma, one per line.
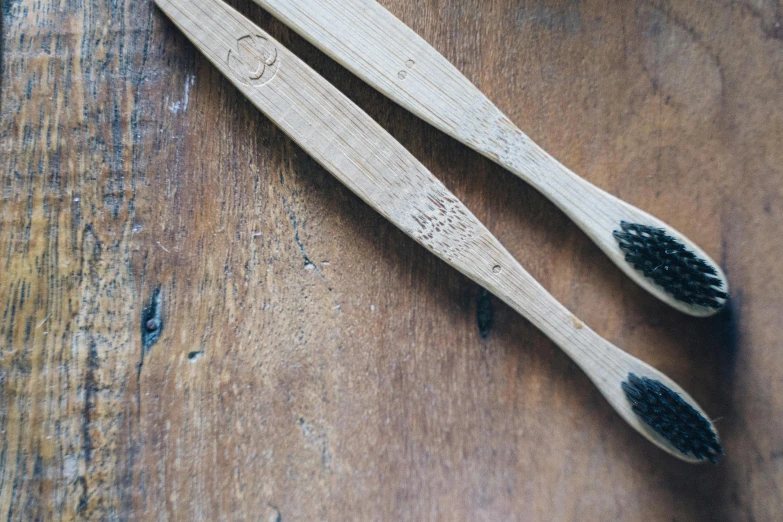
(594,210)
(484,260)
(598,213)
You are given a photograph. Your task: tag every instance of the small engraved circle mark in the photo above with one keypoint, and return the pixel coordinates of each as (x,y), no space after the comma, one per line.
(496,269)
(410,64)
(253,60)
(402,74)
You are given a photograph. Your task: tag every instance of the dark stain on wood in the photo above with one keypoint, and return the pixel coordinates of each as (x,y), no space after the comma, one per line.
(152,320)
(485,313)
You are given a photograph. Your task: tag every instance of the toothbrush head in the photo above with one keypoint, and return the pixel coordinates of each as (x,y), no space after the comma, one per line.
(669,415)
(671,265)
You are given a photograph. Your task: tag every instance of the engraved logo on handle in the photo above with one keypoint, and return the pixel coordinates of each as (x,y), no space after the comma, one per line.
(253,60)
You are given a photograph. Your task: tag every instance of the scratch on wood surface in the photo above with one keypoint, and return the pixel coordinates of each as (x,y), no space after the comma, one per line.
(308,265)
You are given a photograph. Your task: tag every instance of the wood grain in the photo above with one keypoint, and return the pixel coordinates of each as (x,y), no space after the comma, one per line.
(313,361)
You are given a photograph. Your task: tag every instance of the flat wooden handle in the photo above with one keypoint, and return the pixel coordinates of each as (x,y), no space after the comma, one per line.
(592,209)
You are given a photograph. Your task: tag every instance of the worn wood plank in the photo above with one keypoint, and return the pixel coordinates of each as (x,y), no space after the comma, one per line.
(313,362)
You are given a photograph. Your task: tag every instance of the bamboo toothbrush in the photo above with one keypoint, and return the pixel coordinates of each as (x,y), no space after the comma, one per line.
(370,162)
(377,47)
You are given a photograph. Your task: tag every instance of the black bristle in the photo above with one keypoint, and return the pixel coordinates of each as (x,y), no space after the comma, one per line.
(670,265)
(672,418)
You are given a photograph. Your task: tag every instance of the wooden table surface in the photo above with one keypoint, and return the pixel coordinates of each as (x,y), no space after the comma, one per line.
(197,322)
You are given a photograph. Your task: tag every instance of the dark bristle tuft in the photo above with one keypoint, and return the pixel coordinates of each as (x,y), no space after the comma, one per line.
(672,418)
(670,265)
